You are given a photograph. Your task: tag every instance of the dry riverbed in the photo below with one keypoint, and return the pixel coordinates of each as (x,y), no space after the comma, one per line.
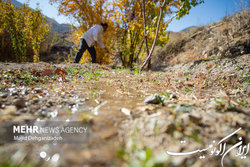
(196,104)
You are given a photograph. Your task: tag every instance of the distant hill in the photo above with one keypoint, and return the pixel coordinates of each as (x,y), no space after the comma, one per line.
(56,27)
(16,3)
(188,29)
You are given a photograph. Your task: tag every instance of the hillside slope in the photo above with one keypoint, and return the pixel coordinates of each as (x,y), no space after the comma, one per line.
(226,38)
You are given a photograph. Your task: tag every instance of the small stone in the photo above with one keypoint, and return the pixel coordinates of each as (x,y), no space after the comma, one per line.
(19,103)
(23,110)
(9,110)
(195,119)
(35,100)
(49,104)
(38,90)
(153,99)
(126,111)
(3,95)
(171,105)
(44,113)
(71,103)
(14,93)
(173,96)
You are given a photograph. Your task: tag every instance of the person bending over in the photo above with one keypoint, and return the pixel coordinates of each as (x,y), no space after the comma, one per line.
(94,34)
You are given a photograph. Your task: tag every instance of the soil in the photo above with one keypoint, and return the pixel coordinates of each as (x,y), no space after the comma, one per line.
(199,102)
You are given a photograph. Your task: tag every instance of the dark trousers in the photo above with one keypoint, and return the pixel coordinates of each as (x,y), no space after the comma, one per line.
(82,49)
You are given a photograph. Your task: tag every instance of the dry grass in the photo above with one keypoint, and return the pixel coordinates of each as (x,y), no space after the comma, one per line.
(208,42)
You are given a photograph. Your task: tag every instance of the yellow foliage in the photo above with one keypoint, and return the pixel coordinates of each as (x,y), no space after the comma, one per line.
(89,13)
(35,59)
(25,27)
(125,20)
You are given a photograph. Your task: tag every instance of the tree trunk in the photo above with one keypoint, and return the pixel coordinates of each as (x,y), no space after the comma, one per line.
(156,35)
(145,31)
(149,64)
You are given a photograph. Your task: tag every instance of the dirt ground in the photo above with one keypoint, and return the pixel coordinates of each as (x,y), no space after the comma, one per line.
(195,105)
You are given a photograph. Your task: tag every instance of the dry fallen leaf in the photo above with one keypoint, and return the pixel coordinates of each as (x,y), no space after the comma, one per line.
(47,72)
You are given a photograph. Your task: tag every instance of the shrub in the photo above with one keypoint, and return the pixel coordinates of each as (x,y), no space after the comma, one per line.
(23,28)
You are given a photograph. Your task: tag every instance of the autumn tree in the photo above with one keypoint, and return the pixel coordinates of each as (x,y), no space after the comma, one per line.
(135,25)
(27,28)
(88,13)
(177,7)
(38,30)
(13,22)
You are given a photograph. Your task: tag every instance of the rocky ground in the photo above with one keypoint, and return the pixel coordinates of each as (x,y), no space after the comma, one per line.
(133,117)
